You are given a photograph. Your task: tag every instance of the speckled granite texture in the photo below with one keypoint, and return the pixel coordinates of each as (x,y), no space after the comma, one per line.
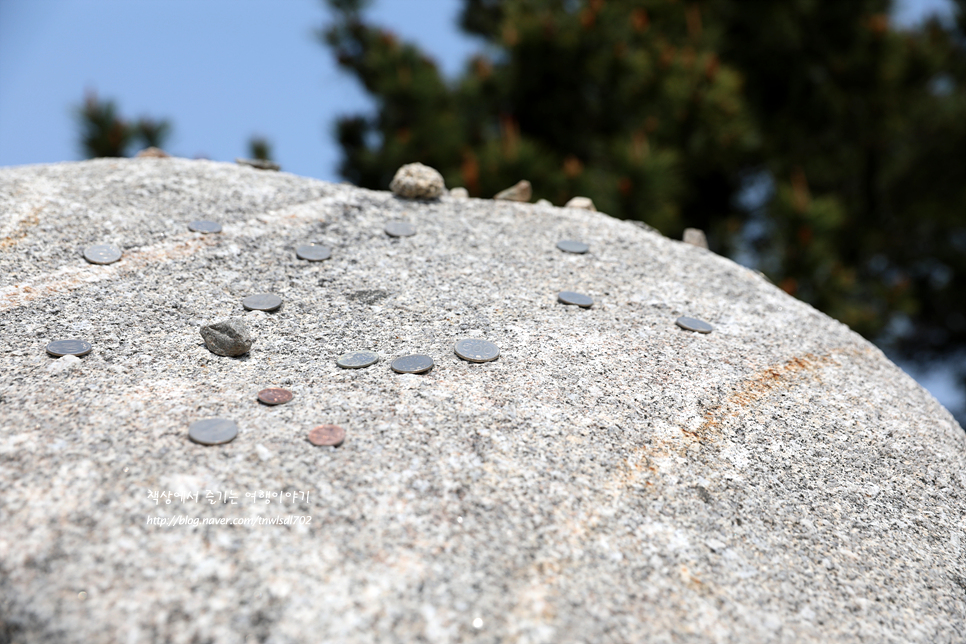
(611,478)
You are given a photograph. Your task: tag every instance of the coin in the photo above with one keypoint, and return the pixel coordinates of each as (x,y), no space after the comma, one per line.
(213,431)
(204,227)
(313,252)
(69,348)
(274,396)
(400,229)
(412,364)
(262,302)
(327,436)
(477,350)
(569,297)
(102,254)
(357,359)
(694,324)
(571,246)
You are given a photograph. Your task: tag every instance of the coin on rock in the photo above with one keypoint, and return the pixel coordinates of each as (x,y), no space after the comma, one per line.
(274,396)
(262,302)
(693,324)
(477,350)
(400,229)
(204,227)
(313,252)
(213,431)
(102,254)
(357,359)
(571,246)
(61,348)
(412,364)
(327,436)
(569,297)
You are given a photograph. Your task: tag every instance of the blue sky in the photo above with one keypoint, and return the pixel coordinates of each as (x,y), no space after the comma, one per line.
(222,71)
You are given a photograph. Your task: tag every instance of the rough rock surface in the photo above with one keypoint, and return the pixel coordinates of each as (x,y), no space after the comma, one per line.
(520,191)
(417,181)
(229,337)
(611,478)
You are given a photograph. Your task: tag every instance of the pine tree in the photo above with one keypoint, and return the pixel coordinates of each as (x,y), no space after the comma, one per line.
(104,133)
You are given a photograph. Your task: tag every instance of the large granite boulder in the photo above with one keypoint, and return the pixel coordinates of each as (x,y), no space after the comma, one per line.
(610,478)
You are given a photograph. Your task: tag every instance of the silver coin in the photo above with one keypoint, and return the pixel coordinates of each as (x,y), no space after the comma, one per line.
(313,252)
(694,324)
(204,227)
(477,350)
(400,229)
(69,348)
(412,364)
(571,246)
(102,254)
(357,359)
(569,297)
(262,302)
(213,431)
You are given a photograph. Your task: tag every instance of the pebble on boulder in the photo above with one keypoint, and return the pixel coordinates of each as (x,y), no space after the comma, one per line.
(417,181)
(259,164)
(459,193)
(522,191)
(227,337)
(695,237)
(583,203)
(153,153)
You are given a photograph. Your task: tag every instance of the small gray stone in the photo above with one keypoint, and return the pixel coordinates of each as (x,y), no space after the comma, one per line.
(584,203)
(227,337)
(417,181)
(522,191)
(544,202)
(695,237)
(259,164)
(459,193)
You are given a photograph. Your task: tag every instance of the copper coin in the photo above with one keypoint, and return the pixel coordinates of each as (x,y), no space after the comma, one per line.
(327,436)
(274,396)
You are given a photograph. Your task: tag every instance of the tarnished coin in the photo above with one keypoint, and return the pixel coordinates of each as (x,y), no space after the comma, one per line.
(694,324)
(357,359)
(327,436)
(102,254)
(569,297)
(213,431)
(204,227)
(274,396)
(69,348)
(262,302)
(313,252)
(400,229)
(477,350)
(412,364)
(571,246)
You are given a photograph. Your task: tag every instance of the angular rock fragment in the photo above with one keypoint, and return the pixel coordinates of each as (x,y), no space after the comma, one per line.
(695,237)
(227,337)
(153,153)
(417,181)
(584,203)
(519,192)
